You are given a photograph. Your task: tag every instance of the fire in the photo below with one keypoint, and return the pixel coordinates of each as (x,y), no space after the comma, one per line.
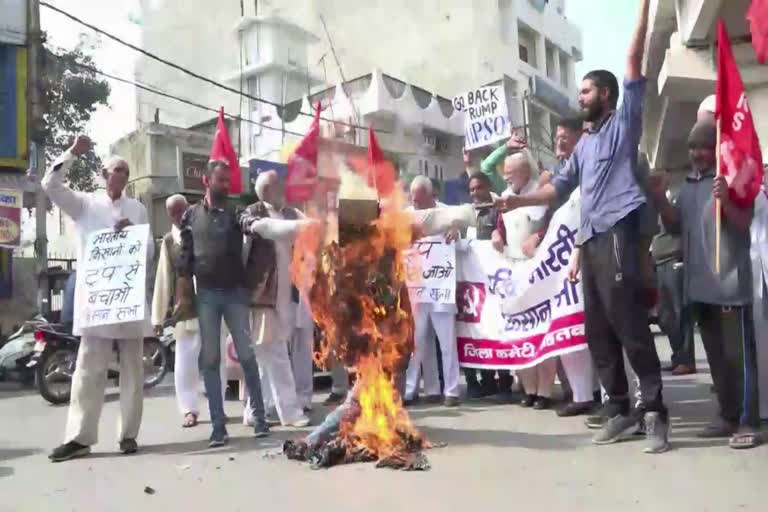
(359,300)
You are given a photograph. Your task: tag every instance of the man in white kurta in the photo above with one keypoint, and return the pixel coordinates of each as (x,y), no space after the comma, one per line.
(103,209)
(186,331)
(273,321)
(430,320)
(759,256)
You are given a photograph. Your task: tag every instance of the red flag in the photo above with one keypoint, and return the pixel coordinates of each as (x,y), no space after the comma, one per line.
(301,180)
(382,175)
(757,15)
(741,158)
(222,150)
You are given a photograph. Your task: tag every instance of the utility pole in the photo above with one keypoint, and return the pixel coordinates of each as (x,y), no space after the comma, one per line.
(37,152)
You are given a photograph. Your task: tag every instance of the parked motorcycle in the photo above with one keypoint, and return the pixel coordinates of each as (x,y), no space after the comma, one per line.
(16,353)
(55,359)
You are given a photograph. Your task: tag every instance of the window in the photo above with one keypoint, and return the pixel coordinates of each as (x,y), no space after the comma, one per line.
(61,222)
(564,70)
(524,54)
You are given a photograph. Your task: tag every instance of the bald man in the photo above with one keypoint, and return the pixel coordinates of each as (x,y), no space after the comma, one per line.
(186,373)
(91,212)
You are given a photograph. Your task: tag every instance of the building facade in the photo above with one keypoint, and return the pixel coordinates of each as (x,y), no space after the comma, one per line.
(681,67)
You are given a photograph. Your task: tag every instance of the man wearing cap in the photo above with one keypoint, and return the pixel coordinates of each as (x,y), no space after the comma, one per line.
(720,302)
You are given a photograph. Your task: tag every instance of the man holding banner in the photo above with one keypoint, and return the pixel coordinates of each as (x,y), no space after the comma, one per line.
(107,209)
(603,164)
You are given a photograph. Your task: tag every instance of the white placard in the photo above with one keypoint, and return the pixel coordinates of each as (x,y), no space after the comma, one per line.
(486,117)
(431,271)
(112,281)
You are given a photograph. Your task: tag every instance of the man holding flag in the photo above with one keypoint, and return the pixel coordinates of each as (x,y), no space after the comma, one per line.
(714,211)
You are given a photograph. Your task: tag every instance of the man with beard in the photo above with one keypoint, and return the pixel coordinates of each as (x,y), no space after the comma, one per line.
(604,165)
(212,252)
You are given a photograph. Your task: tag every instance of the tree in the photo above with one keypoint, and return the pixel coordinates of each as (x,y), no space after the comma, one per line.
(73,92)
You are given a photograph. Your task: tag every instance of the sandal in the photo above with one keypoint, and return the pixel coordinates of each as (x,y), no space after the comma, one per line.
(744,440)
(190,420)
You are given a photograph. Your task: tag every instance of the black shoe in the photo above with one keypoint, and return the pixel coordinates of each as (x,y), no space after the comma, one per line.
(504,397)
(668,367)
(410,402)
(260,428)
(542,403)
(219,437)
(70,450)
(597,397)
(488,389)
(334,399)
(528,401)
(474,391)
(576,409)
(433,399)
(451,401)
(128,446)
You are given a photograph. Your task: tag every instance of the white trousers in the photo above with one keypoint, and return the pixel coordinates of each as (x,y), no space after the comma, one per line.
(580,371)
(339,378)
(277,385)
(186,373)
(444,326)
(760,315)
(90,380)
(300,348)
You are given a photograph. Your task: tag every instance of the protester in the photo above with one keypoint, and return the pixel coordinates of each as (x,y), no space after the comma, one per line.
(490,164)
(273,227)
(91,212)
(759,257)
(487,220)
(673,318)
(720,301)
(186,332)
(427,318)
(615,313)
(301,345)
(212,253)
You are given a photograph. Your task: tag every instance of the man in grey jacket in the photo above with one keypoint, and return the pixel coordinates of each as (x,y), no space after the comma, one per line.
(720,302)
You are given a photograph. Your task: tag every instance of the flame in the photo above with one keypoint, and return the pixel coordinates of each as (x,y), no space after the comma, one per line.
(360,303)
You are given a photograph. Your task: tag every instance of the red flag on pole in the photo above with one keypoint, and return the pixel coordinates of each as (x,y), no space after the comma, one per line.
(301,180)
(757,15)
(741,158)
(382,175)
(222,150)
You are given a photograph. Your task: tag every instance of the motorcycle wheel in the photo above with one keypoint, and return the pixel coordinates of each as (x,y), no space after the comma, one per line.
(156,361)
(53,374)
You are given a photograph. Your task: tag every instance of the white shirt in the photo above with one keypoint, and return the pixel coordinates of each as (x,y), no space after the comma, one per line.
(521,222)
(91,212)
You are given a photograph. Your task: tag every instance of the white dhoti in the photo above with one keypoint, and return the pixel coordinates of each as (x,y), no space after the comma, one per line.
(300,348)
(186,373)
(443,322)
(759,257)
(89,383)
(580,371)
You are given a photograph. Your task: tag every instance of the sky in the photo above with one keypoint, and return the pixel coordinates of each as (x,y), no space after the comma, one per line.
(606,27)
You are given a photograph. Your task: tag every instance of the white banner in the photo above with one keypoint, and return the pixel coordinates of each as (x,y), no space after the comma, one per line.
(112,280)
(513,317)
(431,271)
(486,116)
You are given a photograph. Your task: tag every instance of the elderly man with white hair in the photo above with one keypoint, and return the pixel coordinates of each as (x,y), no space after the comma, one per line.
(186,331)
(430,320)
(275,314)
(103,209)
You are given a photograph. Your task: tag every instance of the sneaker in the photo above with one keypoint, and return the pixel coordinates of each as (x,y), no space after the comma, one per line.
(219,437)
(598,420)
(656,433)
(128,446)
(451,401)
(433,399)
(261,428)
(70,450)
(334,399)
(302,422)
(575,409)
(683,369)
(272,419)
(615,428)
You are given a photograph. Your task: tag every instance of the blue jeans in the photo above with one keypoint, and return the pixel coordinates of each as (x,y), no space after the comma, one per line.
(233,306)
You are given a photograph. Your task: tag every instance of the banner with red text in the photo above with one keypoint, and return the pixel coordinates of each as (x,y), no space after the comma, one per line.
(513,316)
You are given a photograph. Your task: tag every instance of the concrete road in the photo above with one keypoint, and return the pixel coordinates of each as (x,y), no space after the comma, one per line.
(497,457)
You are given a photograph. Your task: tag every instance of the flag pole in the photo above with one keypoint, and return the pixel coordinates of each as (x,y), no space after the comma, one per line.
(718,204)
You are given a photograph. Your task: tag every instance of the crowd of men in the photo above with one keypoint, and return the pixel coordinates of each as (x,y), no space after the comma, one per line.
(218,263)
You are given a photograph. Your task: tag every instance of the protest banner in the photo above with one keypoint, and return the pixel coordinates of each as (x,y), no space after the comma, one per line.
(513,316)
(431,271)
(10,218)
(112,281)
(486,117)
